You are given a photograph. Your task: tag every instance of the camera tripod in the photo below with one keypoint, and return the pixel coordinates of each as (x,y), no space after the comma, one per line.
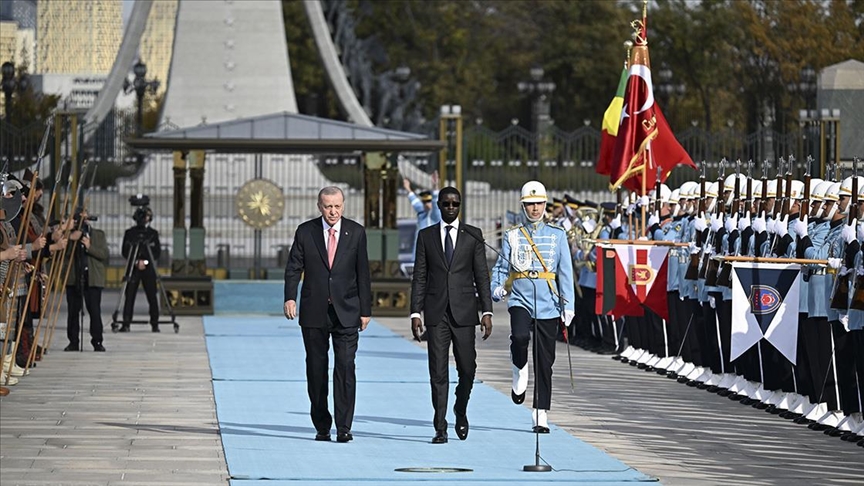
(133,256)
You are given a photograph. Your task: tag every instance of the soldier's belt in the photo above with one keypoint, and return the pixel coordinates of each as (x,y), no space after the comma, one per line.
(533,274)
(819,271)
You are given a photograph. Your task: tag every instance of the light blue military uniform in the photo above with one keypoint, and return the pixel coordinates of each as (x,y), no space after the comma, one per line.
(551,242)
(424,218)
(817,304)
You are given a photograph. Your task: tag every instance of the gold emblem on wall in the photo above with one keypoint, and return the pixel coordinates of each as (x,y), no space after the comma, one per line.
(260,203)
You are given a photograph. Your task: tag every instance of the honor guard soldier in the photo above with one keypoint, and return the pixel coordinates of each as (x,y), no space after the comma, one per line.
(536,258)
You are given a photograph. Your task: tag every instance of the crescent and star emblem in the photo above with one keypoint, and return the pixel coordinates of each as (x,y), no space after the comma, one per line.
(645,73)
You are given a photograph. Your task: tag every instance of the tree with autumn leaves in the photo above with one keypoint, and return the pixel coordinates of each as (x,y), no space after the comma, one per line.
(735,58)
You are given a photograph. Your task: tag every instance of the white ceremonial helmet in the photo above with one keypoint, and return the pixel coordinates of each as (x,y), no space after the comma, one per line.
(665,193)
(797,192)
(818,194)
(729,183)
(772,188)
(674,196)
(846,186)
(819,191)
(814,183)
(689,190)
(711,190)
(833,194)
(533,191)
(757,189)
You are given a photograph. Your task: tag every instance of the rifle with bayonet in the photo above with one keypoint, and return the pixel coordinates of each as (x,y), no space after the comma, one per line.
(711,265)
(858,289)
(840,298)
(693,267)
(724,277)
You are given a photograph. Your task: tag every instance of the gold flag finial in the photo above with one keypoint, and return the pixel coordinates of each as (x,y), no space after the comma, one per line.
(628,47)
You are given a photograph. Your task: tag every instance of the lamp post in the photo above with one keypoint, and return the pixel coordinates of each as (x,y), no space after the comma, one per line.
(540,91)
(9,84)
(809,118)
(140,85)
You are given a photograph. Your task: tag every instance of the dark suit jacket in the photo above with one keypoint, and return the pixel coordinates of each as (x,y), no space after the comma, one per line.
(435,285)
(347,285)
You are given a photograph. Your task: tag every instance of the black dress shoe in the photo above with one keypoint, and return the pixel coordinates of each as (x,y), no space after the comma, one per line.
(114,327)
(462,430)
(344,437)
(72,347)
(517,399)
(539,429)
(440,438)
(155,328)
(124,328)
(99,348)
(322,436)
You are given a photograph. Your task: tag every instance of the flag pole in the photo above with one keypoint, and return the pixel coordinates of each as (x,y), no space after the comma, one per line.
(644,190)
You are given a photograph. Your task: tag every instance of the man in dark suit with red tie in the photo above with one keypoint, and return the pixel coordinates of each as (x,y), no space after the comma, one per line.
(330,253)
(449,273)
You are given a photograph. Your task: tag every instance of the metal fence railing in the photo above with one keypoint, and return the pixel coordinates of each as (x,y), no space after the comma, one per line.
(496,164)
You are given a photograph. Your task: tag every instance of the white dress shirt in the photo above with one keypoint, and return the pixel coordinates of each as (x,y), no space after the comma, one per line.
(454,234)
(337,227)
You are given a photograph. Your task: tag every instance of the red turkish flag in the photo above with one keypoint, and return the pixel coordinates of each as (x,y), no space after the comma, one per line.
(644,141)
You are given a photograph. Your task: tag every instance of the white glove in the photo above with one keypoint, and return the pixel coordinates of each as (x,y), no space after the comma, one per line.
(731,222)
(699,224)
(693,248)
(848,232)
(644,201)
(744,222)
(781,227)
(835,262)
(759,224)
(631,208)
(799,227)
(567,317)
(616,222)
(716,223)
(498,293)
(589,225)
(654,219)
(861,231)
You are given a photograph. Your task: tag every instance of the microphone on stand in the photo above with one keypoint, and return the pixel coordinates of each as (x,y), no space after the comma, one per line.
(536,467)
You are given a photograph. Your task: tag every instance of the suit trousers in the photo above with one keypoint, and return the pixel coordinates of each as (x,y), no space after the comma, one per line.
(92,299)
(316,340)
(439,337)
(521,326)
(148,279)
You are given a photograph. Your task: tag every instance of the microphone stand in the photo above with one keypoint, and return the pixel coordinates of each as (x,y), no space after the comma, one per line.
(536,467)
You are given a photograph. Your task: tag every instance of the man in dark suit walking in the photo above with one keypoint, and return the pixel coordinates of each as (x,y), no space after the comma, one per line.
(449,269)
(330,253)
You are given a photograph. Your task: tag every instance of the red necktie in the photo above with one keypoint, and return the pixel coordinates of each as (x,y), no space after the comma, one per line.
(331,247)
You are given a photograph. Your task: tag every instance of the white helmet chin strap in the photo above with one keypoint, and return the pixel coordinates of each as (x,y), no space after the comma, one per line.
(832,212)
(711,205)
(528,218)
(820,210)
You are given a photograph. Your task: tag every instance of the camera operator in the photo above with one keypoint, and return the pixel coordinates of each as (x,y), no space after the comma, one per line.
(89,252)
(141,263)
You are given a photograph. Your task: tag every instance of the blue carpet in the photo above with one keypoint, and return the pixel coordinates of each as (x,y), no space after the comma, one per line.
(263,411)
(248,297)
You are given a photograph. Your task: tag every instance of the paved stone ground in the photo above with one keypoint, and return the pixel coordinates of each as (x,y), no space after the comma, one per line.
(678,434)
(143,413)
